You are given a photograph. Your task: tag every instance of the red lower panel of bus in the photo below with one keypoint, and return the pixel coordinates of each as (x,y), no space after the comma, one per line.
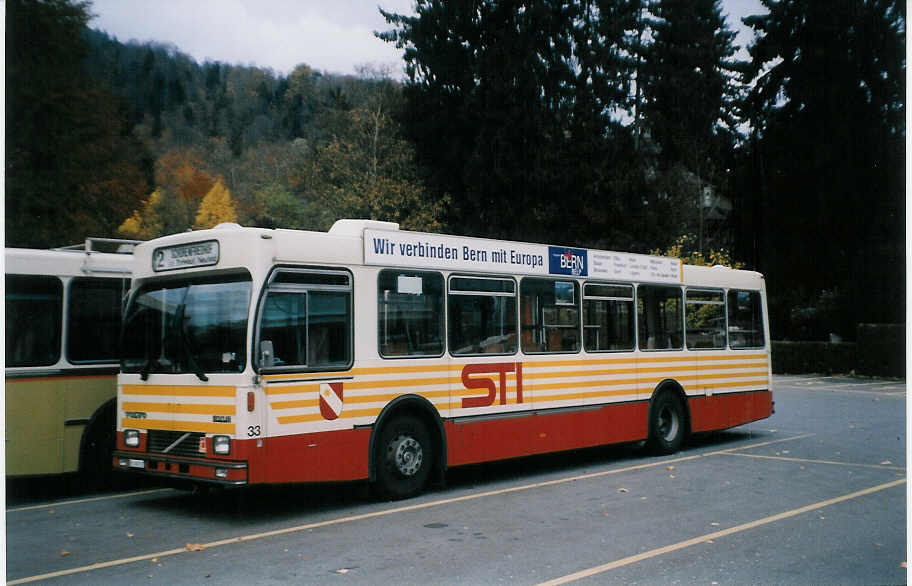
(480,440)
(318,457)
(728,410)
(343,455)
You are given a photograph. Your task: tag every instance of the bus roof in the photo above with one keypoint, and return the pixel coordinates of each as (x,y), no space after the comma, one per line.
(368,242)
(64,263)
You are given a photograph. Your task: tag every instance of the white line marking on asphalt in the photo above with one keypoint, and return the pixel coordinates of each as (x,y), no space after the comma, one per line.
(716,535)
(812,461)
(87,500)
(386,512)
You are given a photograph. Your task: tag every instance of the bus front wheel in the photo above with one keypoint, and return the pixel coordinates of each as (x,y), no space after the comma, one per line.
(667,425)
(404,457)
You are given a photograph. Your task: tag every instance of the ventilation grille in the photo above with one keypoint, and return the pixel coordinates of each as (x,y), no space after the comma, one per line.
(161,440)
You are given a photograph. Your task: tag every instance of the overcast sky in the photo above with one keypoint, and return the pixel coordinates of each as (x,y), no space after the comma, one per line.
(329,35)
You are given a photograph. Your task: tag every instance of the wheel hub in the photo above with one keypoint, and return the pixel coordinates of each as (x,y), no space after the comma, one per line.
(405,454)
(668,424)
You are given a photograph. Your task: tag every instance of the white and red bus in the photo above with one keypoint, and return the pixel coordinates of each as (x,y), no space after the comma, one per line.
(268,356)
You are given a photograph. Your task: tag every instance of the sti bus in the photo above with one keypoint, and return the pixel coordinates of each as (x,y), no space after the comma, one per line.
(63,310)
(271,356)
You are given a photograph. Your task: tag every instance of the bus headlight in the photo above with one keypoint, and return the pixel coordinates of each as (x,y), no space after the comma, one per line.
(131,438)
(221,444)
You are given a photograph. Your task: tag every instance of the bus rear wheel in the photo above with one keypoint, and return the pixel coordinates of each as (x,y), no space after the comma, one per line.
(667,425)
(404,458)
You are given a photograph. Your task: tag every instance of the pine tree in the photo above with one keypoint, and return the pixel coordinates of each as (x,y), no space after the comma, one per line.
(690,104)
(72,168)
(689,82)
(828,139)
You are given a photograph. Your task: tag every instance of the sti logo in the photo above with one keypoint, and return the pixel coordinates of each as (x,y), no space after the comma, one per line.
(567,261)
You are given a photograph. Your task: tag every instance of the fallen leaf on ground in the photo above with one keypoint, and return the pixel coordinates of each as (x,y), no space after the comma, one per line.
(129,534)
(623,490)
(64,552)
(194,547)
(669,467)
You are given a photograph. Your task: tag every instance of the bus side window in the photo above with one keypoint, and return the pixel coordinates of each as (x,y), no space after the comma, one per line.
(745,319)
(482,312)
(660,316)
(705,316)
(608,317)
(306,320)
(93,332)
(410,313)
(34,307)
(550,315)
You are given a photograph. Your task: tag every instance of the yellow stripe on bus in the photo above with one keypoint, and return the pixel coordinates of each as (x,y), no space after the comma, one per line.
(455,368)
(584,395)
(292,389)
(402,382)
(204,426)
(179,390)
(671,372)
(181,408)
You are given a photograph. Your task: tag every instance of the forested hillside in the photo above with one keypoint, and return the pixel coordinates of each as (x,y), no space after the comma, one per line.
(620,124)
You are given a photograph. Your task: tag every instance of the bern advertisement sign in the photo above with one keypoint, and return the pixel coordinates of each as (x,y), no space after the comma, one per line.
(459,253)
(568,261)
(436,251)
(625,266)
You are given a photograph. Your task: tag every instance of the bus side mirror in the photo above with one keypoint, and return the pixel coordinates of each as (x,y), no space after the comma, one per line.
(267,356)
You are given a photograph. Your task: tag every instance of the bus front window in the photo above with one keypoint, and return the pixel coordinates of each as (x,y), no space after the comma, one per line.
(195,326)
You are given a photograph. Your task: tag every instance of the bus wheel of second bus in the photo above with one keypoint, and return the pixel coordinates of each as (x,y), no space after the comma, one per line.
(404,457)
(667,423)
(97,448)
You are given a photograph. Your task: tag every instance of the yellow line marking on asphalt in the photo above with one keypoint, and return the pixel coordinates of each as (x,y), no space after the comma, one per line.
(86,500)
(386,512)
(812,461)
(717,534)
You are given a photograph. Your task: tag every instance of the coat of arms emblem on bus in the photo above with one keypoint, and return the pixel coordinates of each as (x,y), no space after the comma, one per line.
(331,400)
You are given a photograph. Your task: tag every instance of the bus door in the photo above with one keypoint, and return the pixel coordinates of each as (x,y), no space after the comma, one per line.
(304,346)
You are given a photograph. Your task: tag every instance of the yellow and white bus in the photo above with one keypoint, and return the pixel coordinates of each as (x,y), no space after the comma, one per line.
(63,318)
(263,356)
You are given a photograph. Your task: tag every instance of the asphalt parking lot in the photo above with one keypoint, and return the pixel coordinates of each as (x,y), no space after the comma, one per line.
(816,494)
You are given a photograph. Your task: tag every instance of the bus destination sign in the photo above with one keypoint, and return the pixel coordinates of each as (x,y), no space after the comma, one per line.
(185,256)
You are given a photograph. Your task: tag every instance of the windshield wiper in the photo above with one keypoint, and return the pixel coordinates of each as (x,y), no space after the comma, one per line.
(185,342)
(144,373)
(147,365)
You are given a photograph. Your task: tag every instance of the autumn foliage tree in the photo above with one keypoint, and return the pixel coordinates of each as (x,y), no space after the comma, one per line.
(216,207)
(72,167)
(145,222)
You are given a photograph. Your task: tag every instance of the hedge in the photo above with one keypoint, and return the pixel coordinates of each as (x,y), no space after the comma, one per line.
(878,351)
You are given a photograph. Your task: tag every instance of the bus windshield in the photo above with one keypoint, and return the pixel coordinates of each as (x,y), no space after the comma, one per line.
(195,326)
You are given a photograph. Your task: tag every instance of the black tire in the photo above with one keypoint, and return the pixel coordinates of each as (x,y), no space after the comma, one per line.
(96,468)
(667,424)
(403,458)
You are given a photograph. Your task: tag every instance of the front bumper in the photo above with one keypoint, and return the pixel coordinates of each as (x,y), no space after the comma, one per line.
(223,472)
